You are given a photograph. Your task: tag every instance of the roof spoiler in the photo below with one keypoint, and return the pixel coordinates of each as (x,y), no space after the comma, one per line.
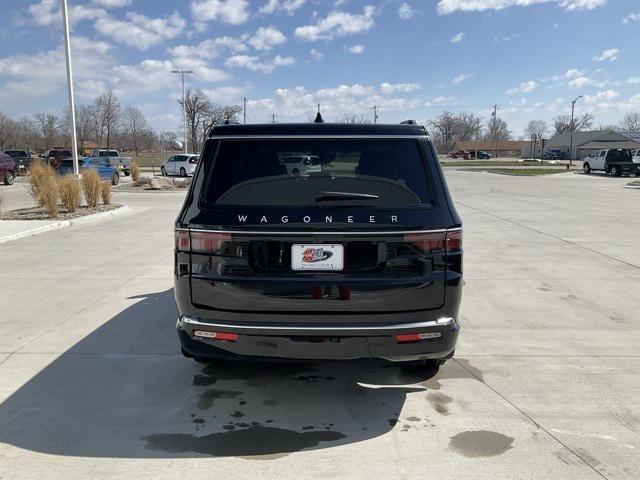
(409,122)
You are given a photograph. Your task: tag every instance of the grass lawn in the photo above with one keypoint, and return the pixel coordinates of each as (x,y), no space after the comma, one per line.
(489,163)
(149,159)
(522,172)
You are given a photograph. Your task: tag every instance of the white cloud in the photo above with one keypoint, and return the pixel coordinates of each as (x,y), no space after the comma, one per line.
(233,12)
(610,54)
(391,88)
(524,87)
(139,30)
(606,96)
(632,17)
(227,94)
(450,6)
(506,38)
(581,81)
(406,11)
(208,49)
(316,54)
(457,37)
(285,6)
(462,77)
(47,12)
(356,49)
(112,3)
(257,65)
(338,24)
(267,37)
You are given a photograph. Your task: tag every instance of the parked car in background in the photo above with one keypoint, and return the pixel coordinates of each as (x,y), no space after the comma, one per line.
(7,169)
(482,155)
(22,160)
(461,154)
(636,156)
(614,161)
(105,170)
(183,165)
(115,160)
(554,154)
(301,164)
(55,155)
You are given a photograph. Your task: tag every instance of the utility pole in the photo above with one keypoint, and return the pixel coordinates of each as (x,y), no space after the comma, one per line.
(72,104)
(572,128)
(495,131)
(375,114)
(184,107)
(244,109)
(273,118)
(477,136)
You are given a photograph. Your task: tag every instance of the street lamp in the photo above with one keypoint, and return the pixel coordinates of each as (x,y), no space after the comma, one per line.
(572,127)
(184,107)
(72,105)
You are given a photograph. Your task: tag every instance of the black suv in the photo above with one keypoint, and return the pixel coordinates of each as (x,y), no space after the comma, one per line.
(358,255)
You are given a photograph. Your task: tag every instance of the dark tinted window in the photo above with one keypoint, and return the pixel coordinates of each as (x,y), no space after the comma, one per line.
(317,172)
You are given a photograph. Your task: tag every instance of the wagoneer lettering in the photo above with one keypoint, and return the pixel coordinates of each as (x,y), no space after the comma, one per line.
(318,241)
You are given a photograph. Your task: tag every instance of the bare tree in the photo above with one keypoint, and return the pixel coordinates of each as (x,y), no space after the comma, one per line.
(444,129)
(630,123)
(197,106)
(135,127)
(354,118)
(537,128)
(84,124)
(48,125)
(218,115)
(8,131)
(497,131)
(107,115)
(467,126)
(28,133)
(562,123)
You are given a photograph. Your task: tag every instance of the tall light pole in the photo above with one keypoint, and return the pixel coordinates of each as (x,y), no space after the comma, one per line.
(495,130)
(72,103)
(375,114)
(572,128)
(184,107)
(244,109)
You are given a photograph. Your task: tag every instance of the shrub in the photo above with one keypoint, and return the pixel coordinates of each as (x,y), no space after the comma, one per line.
(106,192)
(38,173)
(135,171)
(1,201)
(69,189)
(91,186)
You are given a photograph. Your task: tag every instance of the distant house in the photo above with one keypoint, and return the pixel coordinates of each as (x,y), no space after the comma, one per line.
(505,148)
(589,141)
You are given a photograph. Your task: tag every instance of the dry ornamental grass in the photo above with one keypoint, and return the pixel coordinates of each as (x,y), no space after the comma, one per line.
(135,171)
(44,187)
(91,186)
(69,193)
(106,192)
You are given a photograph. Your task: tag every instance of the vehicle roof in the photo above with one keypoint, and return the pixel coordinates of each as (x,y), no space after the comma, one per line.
(317,129)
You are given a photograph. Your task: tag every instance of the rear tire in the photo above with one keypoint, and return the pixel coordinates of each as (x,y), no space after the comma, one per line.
(163,171)
(183,172)
(586,168)
(8,178)
(615,171)
(115,180)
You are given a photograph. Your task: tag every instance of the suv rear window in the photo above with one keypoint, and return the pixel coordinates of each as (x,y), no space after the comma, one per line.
(319,172)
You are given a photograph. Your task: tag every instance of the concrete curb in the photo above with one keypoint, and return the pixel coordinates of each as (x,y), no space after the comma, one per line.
(65,223)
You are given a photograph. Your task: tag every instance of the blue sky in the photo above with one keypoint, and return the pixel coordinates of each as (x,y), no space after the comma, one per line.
(412,58)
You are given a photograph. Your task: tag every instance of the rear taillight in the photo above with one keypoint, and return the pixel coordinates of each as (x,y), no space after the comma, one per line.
(433,242)
(193,160)
(182,240)
(208,242)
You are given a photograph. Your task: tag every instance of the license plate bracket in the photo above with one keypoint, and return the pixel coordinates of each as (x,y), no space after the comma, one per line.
(317,257)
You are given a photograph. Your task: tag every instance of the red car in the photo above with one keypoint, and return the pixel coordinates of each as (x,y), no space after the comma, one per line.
(7,169)
(462,154)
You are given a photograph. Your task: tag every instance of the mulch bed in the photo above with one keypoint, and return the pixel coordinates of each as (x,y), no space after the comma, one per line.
(37,213)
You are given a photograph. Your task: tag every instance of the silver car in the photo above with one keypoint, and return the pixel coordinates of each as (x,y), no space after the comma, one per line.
(183,165)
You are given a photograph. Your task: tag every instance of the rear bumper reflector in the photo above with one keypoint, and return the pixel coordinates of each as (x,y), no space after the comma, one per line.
(228,337)
(416,337)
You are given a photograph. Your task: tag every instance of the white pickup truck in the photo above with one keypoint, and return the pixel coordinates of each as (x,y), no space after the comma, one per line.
(115,160)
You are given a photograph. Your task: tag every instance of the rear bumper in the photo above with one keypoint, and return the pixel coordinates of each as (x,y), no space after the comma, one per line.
(319,341)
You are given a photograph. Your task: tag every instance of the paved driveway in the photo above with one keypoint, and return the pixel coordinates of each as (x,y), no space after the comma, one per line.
(544,386)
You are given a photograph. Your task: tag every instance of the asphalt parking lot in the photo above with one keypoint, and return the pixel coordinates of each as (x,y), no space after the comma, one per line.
(544,384)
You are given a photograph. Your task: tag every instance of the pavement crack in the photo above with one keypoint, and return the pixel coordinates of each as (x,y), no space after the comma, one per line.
(550,235)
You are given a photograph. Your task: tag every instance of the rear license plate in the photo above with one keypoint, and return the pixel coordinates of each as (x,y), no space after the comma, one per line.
(317,257)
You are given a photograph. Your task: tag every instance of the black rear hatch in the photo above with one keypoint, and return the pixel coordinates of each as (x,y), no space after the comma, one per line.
(359,226)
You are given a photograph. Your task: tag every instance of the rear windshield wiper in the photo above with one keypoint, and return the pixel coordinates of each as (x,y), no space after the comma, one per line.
(327,196)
